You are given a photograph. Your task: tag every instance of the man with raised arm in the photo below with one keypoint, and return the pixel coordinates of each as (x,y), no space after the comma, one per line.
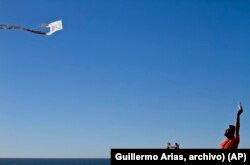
(233,133)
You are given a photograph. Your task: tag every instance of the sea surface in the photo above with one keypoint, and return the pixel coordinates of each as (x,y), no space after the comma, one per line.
(52,161)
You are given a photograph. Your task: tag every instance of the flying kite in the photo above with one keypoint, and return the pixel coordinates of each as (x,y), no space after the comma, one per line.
(53,27)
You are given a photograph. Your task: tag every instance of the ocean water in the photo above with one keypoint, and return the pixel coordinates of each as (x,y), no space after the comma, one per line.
(38,161)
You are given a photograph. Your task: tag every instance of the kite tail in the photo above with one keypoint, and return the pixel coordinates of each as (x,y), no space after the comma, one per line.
(14,27)
(35,31)
(3,26)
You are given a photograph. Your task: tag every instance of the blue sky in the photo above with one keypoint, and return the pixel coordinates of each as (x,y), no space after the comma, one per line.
(122,74)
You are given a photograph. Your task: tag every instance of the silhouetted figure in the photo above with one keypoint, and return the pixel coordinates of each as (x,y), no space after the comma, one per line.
(168,145)
(233,133)
(176,146)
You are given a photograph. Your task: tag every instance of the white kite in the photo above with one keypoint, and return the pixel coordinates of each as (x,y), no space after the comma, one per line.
(53,27)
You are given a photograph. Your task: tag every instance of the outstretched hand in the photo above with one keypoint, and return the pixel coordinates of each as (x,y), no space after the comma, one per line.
(240,109)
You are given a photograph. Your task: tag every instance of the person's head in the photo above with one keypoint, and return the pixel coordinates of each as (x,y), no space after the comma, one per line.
(229,133)
(177,145)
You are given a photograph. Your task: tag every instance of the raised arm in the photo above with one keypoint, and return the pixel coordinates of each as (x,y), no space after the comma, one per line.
(237,125)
